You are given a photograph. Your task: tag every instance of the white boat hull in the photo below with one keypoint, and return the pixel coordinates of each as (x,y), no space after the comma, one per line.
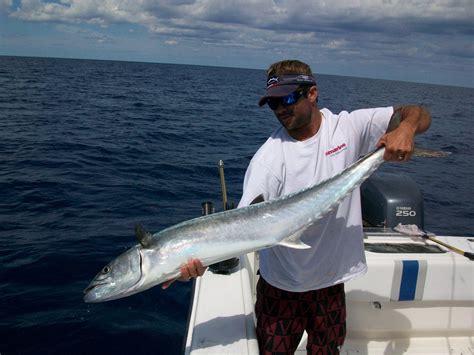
(407,303)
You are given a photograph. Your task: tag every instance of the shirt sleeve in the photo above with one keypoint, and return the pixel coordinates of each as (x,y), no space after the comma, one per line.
(371,124)
(259,180)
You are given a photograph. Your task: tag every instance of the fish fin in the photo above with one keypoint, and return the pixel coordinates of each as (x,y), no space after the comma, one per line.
(257,199)
(143,237)
(294,241)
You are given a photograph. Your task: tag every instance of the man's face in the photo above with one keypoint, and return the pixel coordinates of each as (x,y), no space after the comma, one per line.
(297,118)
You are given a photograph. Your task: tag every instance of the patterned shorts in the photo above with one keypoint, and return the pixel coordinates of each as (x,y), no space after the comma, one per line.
(282,316)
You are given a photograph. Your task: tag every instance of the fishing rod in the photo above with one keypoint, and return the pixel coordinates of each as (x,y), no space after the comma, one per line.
(223,187)
(207,207)
(413,231)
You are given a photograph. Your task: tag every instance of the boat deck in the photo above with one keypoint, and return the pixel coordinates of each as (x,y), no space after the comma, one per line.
(407,303)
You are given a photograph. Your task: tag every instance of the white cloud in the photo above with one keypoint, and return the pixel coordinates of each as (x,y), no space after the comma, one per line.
(350,31)
(84,11)
(200,17)
(259,13)
(335,44)
(79,32)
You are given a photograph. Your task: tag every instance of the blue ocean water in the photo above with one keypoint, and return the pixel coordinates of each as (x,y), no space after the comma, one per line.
(90,148)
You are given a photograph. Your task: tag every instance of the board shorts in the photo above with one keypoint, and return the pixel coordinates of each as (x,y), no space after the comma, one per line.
(283,316)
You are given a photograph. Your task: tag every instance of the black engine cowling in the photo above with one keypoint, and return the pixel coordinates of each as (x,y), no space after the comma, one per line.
(389,199)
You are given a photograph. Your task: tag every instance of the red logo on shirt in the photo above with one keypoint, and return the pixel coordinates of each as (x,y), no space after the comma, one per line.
(336,150)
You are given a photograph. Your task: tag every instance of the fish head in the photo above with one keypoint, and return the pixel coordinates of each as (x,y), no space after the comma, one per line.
(120,278)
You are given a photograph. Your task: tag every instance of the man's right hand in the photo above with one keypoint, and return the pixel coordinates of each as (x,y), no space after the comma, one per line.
(192,269)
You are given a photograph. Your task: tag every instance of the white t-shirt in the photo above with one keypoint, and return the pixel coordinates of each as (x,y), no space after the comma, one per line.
(284,165)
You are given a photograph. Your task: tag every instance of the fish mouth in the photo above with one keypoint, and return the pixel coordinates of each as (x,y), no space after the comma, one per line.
(90,296)
(92,286)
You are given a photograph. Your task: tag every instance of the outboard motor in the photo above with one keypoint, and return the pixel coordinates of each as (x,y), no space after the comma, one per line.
(389,199)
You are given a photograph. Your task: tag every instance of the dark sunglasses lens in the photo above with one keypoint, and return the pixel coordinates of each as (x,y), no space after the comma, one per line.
(285,100)
(289,99)
(273,103)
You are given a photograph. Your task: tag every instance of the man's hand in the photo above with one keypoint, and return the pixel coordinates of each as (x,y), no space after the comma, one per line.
(399,145)
(192,269)
(399,142)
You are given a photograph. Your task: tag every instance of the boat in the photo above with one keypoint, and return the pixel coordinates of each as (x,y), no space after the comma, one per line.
(417,296)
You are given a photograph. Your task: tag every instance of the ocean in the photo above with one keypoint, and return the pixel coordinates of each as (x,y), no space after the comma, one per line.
(90,148)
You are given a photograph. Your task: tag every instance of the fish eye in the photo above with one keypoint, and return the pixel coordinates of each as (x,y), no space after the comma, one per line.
(106,269)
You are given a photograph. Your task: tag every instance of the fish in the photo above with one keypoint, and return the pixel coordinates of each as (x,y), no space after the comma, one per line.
(216,237)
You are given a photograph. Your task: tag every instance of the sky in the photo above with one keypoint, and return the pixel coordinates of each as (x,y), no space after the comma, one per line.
(429,41)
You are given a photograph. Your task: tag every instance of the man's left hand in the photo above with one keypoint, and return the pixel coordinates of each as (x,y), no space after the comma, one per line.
(192,269)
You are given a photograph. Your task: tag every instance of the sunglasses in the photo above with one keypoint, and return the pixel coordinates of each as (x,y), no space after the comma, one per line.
(287,100)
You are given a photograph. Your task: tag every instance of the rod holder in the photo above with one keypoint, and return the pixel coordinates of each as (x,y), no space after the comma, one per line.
(225,267)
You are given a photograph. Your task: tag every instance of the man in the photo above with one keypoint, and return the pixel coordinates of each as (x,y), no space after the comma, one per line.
(304,289)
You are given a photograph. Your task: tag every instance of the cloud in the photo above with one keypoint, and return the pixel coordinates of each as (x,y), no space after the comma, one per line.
(335,44)
(79,32)
(277,15)
(5,6)
(324,31)
(83,11)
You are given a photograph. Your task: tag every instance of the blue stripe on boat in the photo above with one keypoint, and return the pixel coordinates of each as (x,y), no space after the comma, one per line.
(409,280)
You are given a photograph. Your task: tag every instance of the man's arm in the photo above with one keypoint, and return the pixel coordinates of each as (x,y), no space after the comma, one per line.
(400,142)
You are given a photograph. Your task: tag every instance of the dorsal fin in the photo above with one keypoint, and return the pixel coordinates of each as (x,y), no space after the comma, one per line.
(143,237)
